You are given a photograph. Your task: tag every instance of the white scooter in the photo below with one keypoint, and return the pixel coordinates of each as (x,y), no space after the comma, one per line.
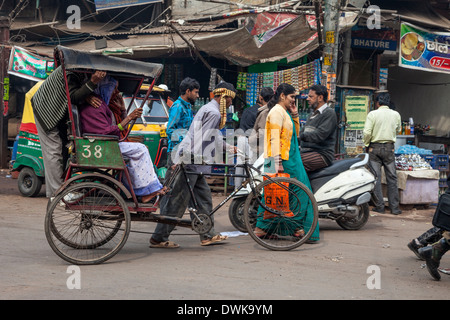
(342,191)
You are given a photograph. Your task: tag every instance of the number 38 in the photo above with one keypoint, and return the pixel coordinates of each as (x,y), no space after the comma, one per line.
(97,151)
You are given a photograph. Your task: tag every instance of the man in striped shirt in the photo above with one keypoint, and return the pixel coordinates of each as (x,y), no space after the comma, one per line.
(50,108)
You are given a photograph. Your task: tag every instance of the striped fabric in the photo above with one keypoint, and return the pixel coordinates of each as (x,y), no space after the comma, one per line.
(313,161)
(50,100)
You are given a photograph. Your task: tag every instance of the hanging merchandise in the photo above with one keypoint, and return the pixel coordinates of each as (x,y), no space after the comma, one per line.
(301,78)
(252,93)
(242,81)
(212,79)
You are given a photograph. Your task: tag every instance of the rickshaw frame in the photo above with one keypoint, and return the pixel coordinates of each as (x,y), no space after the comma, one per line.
(71,232)
(78,61)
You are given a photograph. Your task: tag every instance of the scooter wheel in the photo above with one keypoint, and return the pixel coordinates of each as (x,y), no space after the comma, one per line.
(236,213)
(356,222)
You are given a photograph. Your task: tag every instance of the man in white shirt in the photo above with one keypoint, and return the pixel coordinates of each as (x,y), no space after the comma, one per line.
(380,131)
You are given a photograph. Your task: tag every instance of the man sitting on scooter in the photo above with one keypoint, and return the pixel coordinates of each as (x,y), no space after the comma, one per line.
(318,136)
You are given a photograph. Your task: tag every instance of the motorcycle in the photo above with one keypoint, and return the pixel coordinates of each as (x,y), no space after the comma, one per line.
(342,191)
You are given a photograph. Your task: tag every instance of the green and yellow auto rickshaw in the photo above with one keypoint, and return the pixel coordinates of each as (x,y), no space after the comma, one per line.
(150,129)
(28,166)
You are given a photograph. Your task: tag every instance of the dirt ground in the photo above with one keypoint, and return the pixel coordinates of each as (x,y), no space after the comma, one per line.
(339,267)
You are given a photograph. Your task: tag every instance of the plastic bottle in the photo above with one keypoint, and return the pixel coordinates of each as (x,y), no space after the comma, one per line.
(411,123)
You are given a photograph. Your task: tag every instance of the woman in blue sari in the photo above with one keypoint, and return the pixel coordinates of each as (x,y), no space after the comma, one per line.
(282,154)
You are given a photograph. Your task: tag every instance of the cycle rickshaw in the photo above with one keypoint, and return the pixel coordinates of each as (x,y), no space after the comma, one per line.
(94,226)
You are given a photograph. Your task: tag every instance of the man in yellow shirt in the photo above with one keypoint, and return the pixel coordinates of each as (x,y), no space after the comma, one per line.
(380,132)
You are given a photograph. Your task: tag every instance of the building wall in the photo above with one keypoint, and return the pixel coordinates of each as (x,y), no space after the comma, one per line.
(185,9)
(425,96)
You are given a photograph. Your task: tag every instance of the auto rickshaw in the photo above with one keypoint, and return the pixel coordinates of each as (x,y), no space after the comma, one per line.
(28,166)
(150,129)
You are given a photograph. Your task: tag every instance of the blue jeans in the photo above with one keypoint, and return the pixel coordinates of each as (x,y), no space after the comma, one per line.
(382,155)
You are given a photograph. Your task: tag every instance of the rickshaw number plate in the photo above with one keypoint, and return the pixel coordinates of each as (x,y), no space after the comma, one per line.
(99,153)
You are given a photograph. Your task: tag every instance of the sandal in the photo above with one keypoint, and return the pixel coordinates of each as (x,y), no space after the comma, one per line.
(164,244)
(215,239)
(299,233)
(260,233)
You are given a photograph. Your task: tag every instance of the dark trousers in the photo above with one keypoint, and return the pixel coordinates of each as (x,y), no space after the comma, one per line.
(430,236)
(175,203)
(382,155)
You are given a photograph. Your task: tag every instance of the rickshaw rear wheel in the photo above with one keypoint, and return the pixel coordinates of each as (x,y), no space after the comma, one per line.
(87,223)
(284,225)
(29,183)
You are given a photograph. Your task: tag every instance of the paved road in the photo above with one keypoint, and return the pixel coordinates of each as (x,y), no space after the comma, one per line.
(344,265)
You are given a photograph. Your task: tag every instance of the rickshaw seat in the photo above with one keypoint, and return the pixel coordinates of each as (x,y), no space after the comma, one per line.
(103,137)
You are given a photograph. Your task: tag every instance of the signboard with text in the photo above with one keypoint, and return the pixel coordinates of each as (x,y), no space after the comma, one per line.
(423,49)
(25,64)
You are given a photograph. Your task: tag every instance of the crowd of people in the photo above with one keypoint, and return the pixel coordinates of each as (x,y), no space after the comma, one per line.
(272,123)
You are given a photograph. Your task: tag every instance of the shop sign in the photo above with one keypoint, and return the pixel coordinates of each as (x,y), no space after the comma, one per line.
(113,4)
(374,44)
(423,49)
(25,64)
(356,108)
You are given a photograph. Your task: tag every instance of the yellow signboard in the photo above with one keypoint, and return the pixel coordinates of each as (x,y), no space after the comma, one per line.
(329,37)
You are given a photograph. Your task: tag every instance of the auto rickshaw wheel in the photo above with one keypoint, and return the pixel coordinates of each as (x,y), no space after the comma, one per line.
(87,223)
(29,183)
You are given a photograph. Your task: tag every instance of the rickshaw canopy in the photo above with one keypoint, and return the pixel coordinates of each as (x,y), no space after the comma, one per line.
(74,59)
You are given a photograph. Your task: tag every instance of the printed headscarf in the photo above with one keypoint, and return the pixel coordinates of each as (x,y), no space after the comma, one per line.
(223,92)
(105,88)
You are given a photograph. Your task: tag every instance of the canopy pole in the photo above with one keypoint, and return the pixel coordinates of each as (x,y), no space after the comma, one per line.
(4,59)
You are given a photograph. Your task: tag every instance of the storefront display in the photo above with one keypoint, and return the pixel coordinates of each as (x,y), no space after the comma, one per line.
(301,77)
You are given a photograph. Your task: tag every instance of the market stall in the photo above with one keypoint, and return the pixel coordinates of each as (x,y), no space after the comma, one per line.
(420,175)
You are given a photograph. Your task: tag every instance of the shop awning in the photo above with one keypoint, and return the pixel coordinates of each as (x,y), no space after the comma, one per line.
(239,46)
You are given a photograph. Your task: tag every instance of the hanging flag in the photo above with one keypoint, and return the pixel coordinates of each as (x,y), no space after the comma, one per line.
(25,64)
(266,25)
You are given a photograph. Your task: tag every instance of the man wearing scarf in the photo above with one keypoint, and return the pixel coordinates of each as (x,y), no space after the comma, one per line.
(200,143)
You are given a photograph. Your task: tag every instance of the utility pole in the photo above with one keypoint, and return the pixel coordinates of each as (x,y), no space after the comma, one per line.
(330,52)
(4,58)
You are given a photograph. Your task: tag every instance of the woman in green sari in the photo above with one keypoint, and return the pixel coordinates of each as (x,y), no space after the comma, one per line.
(282,154)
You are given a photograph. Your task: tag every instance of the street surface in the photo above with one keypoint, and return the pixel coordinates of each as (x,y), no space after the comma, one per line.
(373,263)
